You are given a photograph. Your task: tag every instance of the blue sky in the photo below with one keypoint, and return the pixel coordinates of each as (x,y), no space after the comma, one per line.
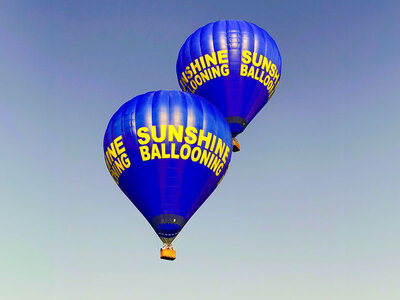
(309,208)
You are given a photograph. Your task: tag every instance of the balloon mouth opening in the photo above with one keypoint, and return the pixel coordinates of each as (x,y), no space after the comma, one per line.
(167,235)
(167,226)
(236,124)
(168,230)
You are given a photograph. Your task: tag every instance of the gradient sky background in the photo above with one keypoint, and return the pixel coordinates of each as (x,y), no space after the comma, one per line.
(308,210)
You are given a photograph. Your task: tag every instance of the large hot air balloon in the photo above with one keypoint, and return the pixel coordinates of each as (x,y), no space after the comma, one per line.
(235,65)
(167,151)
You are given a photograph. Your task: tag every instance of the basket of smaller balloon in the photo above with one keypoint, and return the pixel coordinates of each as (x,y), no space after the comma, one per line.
(167,253)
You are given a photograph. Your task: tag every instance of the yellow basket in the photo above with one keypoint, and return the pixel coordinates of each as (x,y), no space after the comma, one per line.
(236,146)
(168,254)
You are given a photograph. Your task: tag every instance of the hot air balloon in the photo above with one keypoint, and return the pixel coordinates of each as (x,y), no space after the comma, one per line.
(235,65)
(167,151)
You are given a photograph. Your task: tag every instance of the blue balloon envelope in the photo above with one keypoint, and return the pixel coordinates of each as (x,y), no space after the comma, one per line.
(236,65)
(167,151)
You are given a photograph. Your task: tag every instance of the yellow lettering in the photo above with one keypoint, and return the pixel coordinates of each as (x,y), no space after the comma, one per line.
(116,170)
(163,133)
(107,162)
(163,154)
(197,78)
(188,72)
(190,137)
(255,62)
(125,160)
(221,165)
(172,132)
(222,57)
(205,156)
(118,143)
(182,85)
(251,72)
(213,143)
(155,152)
(202,62)
(210,161)
(195,66)
(243,70)
(225,70)
(219,149)
(144,152)
(209,73)
(202,139)
(193,85)
(119,165)
(266,81)
(196,153)
(211,59)
(216,72)
(215,164)
(204,76)
(143,136)
(261,77)
(111,151)
(276,77)
(173,154)
(226,154)
(266,64)
(255,75)
(272,71)
(183,148)
(246,56)
(184,78)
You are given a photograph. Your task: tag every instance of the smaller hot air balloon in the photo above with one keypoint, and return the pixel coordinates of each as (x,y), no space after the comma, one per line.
(235,65)
(167,151)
